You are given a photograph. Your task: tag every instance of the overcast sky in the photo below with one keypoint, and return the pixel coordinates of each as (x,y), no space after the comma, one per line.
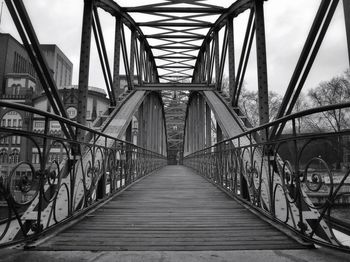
(287,25)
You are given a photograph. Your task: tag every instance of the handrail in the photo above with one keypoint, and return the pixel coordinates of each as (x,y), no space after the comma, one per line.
(281,120)
(51,179)
(33,110)
(297,180)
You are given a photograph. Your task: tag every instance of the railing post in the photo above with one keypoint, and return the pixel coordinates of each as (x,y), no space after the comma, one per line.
(42,173)
(297,194)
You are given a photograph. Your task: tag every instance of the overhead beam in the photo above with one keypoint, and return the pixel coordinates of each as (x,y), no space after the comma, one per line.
(174,57)
(159,24)
(174,87)
(173,10)
(160,36)
(188,67)
(176,47)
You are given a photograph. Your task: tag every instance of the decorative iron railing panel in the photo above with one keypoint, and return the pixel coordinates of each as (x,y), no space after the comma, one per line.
(47,179)
(298,179)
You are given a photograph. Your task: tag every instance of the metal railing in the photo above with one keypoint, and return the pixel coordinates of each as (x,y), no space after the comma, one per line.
(300,180)
(47,179)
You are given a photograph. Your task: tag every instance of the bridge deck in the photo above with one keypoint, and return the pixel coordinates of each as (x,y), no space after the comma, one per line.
(173,209)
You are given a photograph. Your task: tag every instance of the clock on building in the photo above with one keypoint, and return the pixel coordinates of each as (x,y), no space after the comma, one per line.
(72,112)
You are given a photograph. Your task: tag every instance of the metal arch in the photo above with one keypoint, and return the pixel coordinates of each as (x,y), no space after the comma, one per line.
(179,37)
(114,9)
(177,60)
(234,10)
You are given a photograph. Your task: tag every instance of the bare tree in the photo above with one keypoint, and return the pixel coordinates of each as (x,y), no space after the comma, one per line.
(335,91)
(248,102)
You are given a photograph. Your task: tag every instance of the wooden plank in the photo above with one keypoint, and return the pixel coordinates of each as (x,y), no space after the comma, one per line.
(173,209)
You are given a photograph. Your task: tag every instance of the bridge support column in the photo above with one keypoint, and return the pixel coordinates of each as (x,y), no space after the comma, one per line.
(261,63)
(84,64)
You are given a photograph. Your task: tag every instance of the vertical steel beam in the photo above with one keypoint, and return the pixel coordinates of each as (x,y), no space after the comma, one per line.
(231,56)
(84,63)
(261,62)
(201,121)
(207,126)
(208,63)
(190,127)
(140,131)
(117,40)
(195,123)
(142,59)
(128,155)
(156,124)
(132,57)
(150,139)
(145,119)
(217,59)
(346,5)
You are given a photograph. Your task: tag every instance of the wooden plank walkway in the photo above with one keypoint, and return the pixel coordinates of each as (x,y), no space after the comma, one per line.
(172,209)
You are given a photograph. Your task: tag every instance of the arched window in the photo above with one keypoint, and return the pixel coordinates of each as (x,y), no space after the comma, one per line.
(12,119)
(15,156)
(3,156)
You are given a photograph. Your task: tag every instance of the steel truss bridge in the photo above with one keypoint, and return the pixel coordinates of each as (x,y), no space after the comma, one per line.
(111,192)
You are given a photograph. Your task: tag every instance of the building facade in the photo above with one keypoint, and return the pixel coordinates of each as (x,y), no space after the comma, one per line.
(19,84)
(13,60)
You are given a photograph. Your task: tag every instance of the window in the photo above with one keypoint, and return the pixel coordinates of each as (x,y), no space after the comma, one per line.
(39,124)
(15,89)
(12,117)
(15,156)
(3,156)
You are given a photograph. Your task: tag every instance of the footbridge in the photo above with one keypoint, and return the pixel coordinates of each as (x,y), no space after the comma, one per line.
(175,163)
